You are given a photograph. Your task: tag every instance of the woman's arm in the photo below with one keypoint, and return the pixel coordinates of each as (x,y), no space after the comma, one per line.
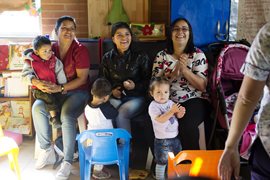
(195,76)
(104,71)
(42,85)
(256,67)
(158,65)
(195,80)
(145,74)
(82,77)
(246,102)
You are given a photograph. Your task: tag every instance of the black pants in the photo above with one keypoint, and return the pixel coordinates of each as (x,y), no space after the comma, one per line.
(197,111)
(52,101)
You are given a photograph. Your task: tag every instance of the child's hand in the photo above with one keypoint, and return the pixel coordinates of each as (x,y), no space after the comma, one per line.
(175,108)
(181,113)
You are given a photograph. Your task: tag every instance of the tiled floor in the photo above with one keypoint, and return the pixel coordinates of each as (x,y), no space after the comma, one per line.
(28,172)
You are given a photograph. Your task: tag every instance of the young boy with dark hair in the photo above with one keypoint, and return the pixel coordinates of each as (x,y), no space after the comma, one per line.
(45,66)
(100,114)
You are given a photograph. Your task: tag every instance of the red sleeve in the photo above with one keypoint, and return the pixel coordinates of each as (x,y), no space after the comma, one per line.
(81,57)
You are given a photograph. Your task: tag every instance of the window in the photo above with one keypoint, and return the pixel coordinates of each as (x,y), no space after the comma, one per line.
(20,23)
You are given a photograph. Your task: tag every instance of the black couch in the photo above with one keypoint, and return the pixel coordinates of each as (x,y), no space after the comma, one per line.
(141,125)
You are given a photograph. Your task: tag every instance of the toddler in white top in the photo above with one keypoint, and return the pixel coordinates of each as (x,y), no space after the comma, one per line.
(164,114)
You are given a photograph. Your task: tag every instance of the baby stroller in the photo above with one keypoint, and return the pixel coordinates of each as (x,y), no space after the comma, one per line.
(224,84)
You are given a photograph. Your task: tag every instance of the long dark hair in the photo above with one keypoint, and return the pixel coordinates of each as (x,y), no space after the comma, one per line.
(190,44)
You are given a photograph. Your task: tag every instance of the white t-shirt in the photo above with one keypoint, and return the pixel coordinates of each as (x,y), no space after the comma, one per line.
(100,117)
(168,129)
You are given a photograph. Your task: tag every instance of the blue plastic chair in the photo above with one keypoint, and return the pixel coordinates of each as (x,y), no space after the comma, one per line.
(102,147)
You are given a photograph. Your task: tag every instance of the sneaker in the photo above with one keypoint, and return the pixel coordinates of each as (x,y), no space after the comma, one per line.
(55,122)
(46,156)
(64,172)
(101,174)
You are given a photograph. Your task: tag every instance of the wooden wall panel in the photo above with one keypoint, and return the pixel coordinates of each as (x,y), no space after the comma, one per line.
(97,13)
(137,11)
(160,11)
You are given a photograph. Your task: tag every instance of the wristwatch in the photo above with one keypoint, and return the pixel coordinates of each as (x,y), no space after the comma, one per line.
(62,88)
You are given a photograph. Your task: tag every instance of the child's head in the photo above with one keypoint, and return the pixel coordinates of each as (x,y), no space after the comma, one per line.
(101,89)
(160,89)
(42,47)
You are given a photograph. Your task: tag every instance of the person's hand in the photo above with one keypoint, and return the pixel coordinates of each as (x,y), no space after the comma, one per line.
(54,88)
(180,66)
(42,85)
(177,108)
(183,59)
(229,164)
(177,69)
(181,113)
(129,84)
(117,92)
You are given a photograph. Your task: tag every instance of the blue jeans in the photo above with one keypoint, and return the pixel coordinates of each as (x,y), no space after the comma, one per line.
(73,104)
(163,146)
(128,108)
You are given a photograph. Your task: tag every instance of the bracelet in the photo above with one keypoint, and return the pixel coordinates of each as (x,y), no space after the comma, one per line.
(62,88)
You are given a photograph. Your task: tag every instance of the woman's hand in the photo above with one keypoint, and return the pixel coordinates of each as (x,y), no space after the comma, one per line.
(129,84)
(180,66)
(44,86)
(183,62)
(55,88)
(117,92)
(229,164)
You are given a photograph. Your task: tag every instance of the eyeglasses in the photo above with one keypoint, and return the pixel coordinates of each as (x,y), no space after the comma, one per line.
(178,29)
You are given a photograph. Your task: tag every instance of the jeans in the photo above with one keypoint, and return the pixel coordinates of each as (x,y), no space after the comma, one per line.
(163,146)
(128,108)
(73,104)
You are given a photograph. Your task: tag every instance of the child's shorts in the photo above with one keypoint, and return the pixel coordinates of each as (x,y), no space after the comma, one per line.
(163,146)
